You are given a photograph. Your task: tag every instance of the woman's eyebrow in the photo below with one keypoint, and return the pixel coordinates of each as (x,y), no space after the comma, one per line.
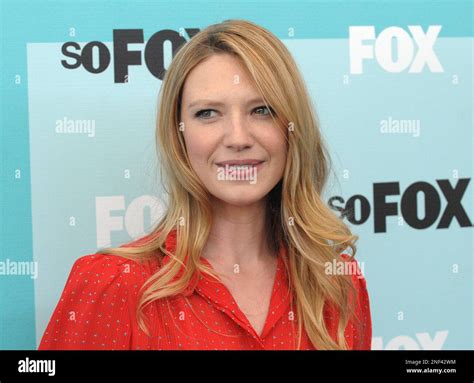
(218,103)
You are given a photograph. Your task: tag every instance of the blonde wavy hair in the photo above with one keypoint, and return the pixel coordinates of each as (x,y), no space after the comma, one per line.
(297,216)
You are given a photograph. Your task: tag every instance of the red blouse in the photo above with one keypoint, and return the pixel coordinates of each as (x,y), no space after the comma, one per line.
(97,311)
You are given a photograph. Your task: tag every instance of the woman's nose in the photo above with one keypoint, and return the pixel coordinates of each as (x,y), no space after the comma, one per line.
(237,133)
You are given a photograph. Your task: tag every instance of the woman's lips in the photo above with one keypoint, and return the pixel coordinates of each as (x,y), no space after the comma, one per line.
(243,162)
(231,169)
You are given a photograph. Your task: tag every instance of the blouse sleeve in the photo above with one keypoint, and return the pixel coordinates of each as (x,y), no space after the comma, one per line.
(359,329)
(363,328)
(94,311)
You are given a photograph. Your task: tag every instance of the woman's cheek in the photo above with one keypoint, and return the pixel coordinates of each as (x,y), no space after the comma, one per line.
(200,149)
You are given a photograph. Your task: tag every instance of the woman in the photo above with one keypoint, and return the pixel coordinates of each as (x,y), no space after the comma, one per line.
(239,261)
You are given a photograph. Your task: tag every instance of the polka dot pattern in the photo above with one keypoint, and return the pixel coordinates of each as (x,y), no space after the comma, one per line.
(97,308)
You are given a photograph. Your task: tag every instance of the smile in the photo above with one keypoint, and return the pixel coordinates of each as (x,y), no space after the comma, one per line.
(240,168)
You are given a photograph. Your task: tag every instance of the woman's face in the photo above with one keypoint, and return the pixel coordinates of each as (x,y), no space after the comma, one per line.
(224,122)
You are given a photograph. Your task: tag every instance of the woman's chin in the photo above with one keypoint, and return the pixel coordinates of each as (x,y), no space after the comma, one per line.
(239,196)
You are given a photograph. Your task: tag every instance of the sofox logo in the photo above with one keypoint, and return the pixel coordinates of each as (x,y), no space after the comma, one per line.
(414,48)
(419,205)
(123,57)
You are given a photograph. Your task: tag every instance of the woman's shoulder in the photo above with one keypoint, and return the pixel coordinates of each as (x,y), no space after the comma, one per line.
(113,265)
(96,309)
(133,267)
(96,273)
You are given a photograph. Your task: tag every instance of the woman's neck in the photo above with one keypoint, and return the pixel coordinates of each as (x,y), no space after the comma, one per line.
(238,235)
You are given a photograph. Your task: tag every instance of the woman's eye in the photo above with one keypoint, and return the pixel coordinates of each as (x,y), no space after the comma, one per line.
(270,110)
(204,113)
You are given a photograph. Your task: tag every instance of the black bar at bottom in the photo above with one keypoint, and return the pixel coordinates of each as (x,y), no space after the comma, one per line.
(311,366)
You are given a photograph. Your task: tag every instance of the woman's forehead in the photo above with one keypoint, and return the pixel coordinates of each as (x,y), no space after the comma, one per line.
(218,71)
